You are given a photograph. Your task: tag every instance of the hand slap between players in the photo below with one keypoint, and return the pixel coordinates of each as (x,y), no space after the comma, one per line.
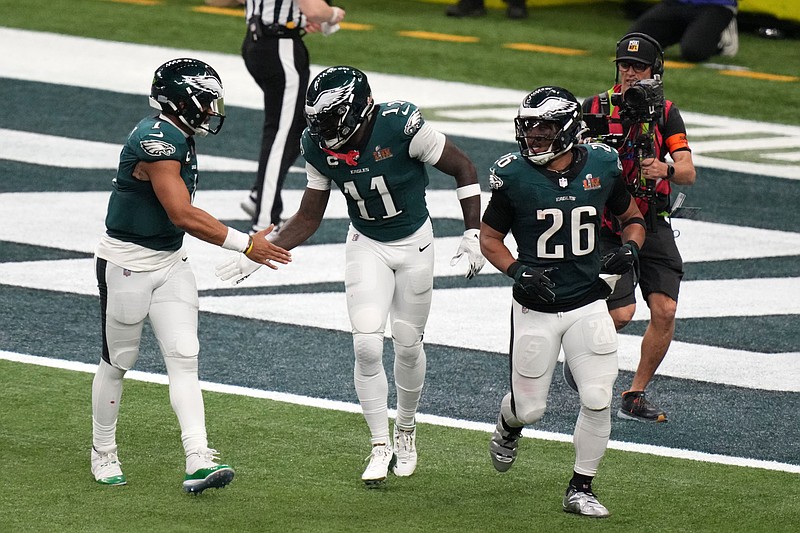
(264,251)
(470,245)
(239,268)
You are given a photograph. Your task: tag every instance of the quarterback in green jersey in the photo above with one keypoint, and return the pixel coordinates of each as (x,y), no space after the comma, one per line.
(551,195)
(375,154)
(143,271)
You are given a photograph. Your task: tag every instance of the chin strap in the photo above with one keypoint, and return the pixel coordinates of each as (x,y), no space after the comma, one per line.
(351,157)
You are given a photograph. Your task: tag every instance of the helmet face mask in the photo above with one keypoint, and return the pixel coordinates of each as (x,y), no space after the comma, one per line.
(548,124)
(338,102)
(192,91)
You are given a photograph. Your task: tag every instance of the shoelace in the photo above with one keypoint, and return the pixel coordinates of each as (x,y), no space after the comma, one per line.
(209,455)
(404,439)
(111,458)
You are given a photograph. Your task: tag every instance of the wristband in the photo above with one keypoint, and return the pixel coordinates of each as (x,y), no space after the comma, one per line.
(468,191)
(249,246)
(236,240)
(633,245)
(670,171)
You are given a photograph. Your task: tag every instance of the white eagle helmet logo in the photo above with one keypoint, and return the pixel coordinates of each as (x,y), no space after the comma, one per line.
(551,108)
(327,100)
(208,84)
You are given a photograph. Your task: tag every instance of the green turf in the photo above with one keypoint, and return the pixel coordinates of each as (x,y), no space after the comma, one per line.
(298,469)
(593,27)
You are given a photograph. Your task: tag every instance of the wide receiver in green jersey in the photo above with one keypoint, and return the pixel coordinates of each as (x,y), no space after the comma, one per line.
(551,195)
(376,155)
(143,271)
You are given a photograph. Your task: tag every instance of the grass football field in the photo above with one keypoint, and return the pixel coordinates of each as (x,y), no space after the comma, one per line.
(728,460)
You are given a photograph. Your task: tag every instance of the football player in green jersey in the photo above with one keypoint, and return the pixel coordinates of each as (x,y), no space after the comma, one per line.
(550,195)
(376,155)
(142,268)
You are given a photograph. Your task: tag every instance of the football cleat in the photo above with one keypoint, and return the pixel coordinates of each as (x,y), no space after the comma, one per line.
(405,446)
(106,468)
(636,407)
(583,503)
(381,459)
(466,8)
(503,446)
(203,472)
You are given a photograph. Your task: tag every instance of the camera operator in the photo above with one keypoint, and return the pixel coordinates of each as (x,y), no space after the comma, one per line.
(644,128)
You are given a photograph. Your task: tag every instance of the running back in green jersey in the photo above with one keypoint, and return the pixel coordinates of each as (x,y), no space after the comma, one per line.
(555,218)
(134,212)
(385,188)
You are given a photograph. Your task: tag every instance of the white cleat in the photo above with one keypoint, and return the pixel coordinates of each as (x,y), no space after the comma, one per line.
(405,447)
(381,460)
(583,503)
(106,468)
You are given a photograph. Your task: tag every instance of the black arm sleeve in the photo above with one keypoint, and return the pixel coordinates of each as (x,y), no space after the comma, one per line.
(620,198)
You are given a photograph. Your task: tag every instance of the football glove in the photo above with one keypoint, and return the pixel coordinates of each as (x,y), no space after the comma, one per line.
(470,245)
(237,268)
(532,282)
(622,260)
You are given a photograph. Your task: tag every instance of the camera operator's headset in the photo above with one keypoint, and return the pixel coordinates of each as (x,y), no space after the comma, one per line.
(658,65)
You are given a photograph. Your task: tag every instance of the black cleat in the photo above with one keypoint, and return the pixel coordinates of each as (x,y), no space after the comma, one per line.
(466,8)
(636,407)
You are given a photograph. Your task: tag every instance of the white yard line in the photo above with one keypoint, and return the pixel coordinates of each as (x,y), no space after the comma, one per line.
(661,451)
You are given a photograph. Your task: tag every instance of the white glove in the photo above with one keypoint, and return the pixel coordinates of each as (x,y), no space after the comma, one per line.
(470,245)
(238,268)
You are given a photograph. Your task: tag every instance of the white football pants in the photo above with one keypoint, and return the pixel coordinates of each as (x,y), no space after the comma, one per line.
(589,340)
(395,280)
(169,297)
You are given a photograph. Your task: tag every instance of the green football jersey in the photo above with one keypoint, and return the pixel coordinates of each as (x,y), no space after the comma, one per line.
(385,189)
(134,212)
(555,218)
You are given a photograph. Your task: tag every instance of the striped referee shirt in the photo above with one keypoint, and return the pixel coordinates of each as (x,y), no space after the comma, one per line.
(282,12)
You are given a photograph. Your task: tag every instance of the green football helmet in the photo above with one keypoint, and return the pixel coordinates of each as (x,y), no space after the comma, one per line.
(192,91)
(338,103)
(554,106)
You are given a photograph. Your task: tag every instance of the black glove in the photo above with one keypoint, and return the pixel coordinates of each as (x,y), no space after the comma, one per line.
(622,260)
(532,282)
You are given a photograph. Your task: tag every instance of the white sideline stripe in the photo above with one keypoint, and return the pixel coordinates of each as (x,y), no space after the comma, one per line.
(65,152)
(82,215)
(160,379)
(94,63)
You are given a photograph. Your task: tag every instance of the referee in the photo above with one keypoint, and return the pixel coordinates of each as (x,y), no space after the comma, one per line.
(276,57)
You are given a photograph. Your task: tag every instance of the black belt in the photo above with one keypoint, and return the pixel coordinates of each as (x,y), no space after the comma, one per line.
(257,30)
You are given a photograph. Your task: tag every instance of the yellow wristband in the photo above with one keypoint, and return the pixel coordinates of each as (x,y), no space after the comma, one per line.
(249,246)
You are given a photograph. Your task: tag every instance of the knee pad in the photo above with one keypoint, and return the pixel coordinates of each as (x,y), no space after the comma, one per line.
(529,414)
(368,348)
(123,357)
(405,334)
(596,397)
(186,345)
